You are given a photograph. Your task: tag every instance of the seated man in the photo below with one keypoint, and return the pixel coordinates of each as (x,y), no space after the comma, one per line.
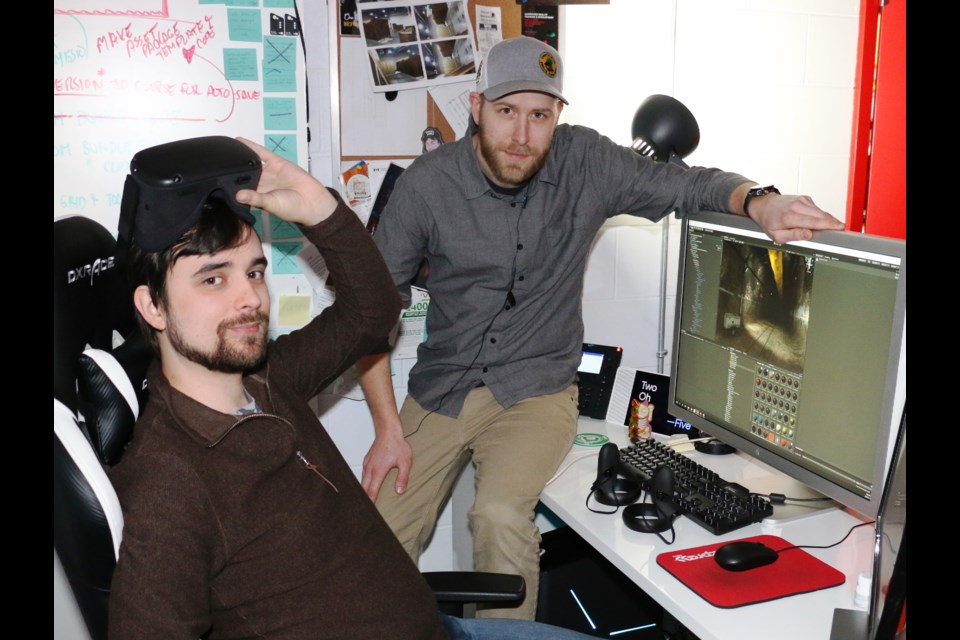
(241,517)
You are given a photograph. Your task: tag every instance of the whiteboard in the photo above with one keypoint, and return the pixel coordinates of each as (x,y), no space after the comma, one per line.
(132,74)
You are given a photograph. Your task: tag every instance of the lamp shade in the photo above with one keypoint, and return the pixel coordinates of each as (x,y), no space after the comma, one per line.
(664,128)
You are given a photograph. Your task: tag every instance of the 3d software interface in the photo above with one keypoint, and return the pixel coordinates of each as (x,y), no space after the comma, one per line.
(787,346)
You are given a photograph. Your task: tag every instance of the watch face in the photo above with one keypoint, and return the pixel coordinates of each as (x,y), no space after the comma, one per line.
(756,192)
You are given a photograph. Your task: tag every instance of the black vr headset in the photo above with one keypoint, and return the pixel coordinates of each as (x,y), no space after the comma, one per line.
(170,184)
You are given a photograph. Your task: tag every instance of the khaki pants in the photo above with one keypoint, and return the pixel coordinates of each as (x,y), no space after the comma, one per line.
(516,451)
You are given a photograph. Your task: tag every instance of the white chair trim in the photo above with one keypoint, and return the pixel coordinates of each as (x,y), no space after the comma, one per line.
(65,428)
(121,381)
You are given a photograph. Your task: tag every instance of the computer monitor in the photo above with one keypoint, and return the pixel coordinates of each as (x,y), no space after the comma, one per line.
(794,354)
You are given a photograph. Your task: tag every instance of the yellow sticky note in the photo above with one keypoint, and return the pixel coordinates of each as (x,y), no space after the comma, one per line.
(294,310)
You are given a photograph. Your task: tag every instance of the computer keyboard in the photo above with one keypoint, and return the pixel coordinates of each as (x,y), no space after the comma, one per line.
(700,494)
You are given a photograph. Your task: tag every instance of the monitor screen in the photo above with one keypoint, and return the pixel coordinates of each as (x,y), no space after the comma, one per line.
(794,353)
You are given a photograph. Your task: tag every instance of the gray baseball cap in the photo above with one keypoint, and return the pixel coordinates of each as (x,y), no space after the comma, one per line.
(520,64)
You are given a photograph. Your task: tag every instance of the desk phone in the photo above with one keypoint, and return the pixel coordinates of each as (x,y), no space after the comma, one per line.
(595,378)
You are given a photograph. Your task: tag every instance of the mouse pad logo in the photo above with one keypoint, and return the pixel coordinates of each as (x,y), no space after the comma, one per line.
(681,557)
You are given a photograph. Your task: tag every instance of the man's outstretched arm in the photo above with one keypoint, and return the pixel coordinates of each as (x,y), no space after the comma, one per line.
(784,218)
(389,449)
(367,302)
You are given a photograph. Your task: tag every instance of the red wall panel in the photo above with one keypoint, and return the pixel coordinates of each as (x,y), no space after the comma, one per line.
(877,196)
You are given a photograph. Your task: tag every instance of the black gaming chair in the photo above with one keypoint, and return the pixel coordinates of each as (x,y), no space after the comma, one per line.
(99,367)
(92,418)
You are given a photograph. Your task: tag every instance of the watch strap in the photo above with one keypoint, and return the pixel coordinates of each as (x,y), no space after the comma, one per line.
(756,192)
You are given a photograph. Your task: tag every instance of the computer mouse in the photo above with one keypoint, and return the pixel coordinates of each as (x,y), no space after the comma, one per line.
(743,555)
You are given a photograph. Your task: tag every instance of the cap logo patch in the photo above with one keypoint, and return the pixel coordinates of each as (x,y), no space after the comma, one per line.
(548,64)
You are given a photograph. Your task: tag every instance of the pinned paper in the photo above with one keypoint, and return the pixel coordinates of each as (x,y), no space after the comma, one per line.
(282,144)
(244,25)
(454,103)
(356,179)
(281,229)
(358,189)
(240,64)
(279,63)
(294,310)
(316,271)
(413,324)
(279,113)
(285,257)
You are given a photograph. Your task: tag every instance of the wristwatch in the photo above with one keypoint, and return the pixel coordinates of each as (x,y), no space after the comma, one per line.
(756,192)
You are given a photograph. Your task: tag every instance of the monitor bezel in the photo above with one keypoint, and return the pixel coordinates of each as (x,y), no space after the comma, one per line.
(895,378)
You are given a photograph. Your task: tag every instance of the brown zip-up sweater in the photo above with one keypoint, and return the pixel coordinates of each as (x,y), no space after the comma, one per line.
(256,526)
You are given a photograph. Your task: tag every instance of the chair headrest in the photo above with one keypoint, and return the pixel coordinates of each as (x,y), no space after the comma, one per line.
(102,384)
(90,299)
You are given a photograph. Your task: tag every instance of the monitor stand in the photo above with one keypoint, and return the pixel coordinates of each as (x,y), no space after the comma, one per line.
(791,511)
(849,624)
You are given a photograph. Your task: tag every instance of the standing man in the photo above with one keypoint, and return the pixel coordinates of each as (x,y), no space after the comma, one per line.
(505,217)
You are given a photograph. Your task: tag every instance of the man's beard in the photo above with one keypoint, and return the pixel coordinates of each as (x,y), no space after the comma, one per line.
(240,355)
(504,172)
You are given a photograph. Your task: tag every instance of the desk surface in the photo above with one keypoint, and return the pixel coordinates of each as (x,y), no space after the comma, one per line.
(807,616)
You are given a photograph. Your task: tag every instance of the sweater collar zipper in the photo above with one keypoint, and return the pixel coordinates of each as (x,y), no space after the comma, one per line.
(312,467)
(247,418)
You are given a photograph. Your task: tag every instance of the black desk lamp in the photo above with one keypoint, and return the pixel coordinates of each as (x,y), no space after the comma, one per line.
(665,130)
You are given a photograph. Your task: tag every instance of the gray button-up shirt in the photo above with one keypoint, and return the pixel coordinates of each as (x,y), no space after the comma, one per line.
(506,272)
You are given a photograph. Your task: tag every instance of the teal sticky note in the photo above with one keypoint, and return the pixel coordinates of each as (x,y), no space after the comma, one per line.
(242,3)
(285,257)
(279,63)
(244,25)
(281,229)
(278,79)
(240,64)
(279,114)
(278,4)
(282,144)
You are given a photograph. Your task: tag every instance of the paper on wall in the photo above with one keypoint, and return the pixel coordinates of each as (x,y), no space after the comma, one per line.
(317,272)
(413,325)
(417,45)
(454,103)
(357,189)
(489,28)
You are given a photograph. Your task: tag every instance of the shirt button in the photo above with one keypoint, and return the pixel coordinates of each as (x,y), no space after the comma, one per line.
(513,204)
(519,246)
(484,369)
(493,341)
(520,278)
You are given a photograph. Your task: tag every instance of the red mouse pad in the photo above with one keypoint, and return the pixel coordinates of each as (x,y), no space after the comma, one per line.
(795,571)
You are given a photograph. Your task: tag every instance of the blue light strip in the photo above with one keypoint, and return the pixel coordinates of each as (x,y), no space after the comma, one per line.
(645,626)
(585,614)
